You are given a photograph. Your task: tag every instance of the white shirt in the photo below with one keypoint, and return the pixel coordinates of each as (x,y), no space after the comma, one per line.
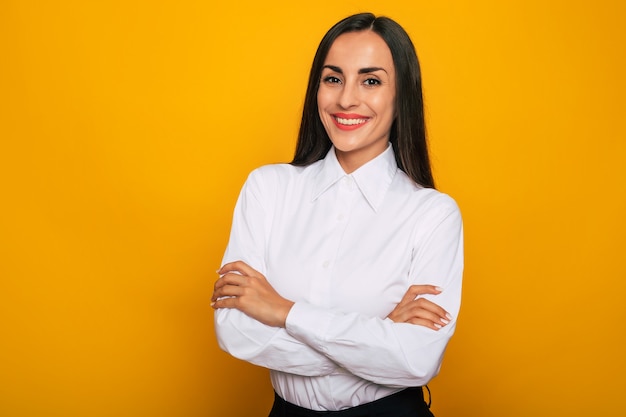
(345,249)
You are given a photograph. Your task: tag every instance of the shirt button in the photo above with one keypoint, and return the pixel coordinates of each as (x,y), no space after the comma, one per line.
(326,264)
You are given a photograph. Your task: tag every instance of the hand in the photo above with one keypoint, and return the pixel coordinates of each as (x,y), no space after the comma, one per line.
(243,288)
(421,311)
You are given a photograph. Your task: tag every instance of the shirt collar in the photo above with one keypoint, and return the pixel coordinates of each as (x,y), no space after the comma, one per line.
(373,179)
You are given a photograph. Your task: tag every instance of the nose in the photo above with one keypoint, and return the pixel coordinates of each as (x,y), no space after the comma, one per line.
(349,96)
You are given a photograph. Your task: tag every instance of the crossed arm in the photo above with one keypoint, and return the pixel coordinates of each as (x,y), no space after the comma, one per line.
(243,288)
(257,324)
(315,343)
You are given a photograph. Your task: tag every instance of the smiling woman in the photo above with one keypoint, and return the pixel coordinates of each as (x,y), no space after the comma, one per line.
(356,98)
(343,269)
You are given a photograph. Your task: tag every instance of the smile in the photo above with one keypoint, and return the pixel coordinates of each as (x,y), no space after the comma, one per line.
(349,122)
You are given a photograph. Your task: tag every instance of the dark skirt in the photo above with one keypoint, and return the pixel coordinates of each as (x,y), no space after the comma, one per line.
(406,403)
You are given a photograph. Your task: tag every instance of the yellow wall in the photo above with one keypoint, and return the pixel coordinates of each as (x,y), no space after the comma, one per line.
(127,128)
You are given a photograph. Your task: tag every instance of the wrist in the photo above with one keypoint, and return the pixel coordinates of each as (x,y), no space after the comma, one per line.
(284,310)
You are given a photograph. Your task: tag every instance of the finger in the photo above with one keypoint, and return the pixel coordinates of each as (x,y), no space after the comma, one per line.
(429,306)
(423,314)
(408,296)
(426,289)
(420,309)
(237,266)
(227,280)
(227,302)
(230,279)
(425,323)
(415,312)
(415,290)
(229,291)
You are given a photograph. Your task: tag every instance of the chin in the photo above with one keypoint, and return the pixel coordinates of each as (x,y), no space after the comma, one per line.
(343,146)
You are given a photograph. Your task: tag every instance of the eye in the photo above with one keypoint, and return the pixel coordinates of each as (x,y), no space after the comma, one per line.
(372,82)
(331,80)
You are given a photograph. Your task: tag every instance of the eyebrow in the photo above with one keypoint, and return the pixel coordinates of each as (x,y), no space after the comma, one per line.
(366,70)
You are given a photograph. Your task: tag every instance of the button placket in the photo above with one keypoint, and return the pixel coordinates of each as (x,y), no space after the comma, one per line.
(344,198)
(347,185)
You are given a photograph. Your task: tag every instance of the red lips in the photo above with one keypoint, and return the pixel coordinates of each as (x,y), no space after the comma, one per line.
(351,119)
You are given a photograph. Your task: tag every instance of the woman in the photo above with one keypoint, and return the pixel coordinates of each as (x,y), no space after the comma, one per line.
(343,270)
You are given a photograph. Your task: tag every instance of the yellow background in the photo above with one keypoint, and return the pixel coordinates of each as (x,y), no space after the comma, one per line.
(128,127)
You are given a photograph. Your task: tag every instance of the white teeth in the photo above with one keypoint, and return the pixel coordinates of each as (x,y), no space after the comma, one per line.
(350,122)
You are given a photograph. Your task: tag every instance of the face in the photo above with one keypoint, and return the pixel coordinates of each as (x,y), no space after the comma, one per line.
(356,97)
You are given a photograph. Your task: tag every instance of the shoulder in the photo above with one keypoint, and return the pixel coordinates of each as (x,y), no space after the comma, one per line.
(429,210)
(275,179)
(435,216)
(275,171)
(438,216)
(276,174)
(426,199)
(438,201)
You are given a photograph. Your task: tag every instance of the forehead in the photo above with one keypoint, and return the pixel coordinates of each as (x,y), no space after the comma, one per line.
(360,50)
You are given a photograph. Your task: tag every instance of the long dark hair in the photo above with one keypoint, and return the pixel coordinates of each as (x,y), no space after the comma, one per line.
(408,131)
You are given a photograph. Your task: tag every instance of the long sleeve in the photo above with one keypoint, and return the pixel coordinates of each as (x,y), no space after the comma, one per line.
(344,248)
(377,349)
(240,335)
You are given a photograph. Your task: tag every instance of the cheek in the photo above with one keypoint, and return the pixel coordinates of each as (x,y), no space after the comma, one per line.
(322,104)
(323,99)
(324,107)
(386,108)
(391,106)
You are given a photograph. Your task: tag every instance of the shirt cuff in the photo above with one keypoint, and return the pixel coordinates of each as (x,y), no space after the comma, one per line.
(309,324)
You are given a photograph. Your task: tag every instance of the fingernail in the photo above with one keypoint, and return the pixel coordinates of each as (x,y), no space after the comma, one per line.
(444,321)
(439,326)
(439,289)
(448,316)
(217,271)
(212,303)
